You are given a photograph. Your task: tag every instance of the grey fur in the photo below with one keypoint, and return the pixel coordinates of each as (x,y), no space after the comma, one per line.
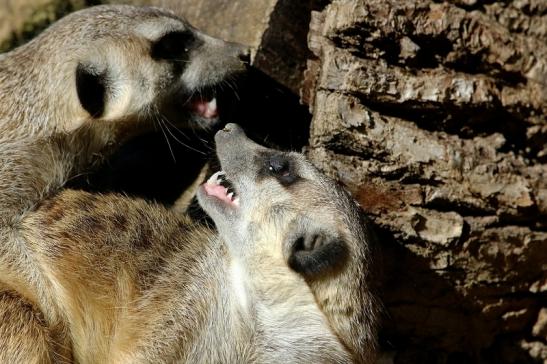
(46,136)
(126,281)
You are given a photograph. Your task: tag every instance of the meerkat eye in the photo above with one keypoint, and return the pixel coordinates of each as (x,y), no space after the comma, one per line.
(280,167)
(173,45)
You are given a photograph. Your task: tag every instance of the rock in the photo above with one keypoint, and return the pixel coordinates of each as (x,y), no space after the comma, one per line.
(20,20)
(537,350)
(540,327)
(433,115)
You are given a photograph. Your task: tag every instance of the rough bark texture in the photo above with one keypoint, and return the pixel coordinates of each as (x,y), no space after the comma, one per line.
(434,115)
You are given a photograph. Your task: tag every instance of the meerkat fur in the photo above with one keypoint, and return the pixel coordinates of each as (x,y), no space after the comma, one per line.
(288,277)
(68,98)
(93,278)
(92,80)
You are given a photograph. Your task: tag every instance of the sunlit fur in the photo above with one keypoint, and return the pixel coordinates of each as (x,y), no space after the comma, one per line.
(259,233)
(120,280)
(47,137)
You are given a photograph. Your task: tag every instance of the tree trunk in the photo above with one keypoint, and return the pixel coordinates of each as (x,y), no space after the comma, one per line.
(434,116)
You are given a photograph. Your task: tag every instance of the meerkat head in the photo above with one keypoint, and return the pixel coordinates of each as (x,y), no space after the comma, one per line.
(117,64)
(279,213)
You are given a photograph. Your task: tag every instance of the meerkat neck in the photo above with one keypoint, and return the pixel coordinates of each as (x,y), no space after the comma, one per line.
(235,307)
(235,285)
(27,174)
(219,329)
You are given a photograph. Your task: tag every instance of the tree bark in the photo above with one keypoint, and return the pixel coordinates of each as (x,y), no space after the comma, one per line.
(434,116)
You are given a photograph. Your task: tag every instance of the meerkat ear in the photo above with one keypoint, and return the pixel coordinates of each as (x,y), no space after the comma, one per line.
(91,88)
(312,254)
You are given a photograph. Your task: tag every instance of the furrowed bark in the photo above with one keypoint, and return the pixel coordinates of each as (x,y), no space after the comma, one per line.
(434,116)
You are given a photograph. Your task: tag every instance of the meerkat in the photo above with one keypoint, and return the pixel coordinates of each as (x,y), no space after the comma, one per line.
(68,98)
(286,277)
(90,81)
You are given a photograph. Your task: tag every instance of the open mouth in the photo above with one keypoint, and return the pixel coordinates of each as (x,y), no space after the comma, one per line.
(206,109)
(221,188)
(204,104)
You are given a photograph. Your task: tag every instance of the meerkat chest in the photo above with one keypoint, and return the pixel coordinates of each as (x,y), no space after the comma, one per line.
(282,313)
(296,332)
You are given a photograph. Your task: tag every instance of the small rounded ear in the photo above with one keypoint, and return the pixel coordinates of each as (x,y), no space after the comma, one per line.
(91,87)
(312,254)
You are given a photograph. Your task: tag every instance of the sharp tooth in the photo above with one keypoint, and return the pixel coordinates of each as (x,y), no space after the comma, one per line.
(214,179)
(236,201)
(230,196)
(220,177)
(212,105)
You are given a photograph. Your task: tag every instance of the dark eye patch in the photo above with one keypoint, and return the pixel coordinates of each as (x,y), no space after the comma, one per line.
(91,86)
(280,166)
(174,46)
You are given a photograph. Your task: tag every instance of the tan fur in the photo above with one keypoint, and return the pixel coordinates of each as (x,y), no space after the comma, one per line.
(48,135)
(134,282)
(124,280)
(105,278)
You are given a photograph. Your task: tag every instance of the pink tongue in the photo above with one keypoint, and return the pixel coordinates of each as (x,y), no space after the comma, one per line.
(204,109)
(217,191)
